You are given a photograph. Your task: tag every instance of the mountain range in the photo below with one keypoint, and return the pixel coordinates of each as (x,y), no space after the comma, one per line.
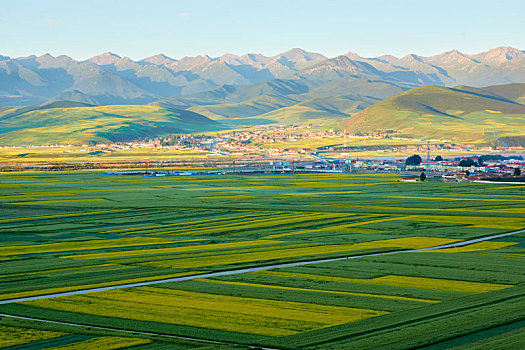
(110,79)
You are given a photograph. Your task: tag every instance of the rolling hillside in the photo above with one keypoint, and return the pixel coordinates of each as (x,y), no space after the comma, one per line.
(493,114)
(74,123)
(287,101)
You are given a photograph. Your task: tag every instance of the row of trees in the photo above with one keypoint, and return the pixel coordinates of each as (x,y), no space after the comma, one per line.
(416,159)
(467,162)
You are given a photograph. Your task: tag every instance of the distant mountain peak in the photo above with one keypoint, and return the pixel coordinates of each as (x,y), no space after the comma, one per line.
(46,55)
(412,58)
(159,59)
(297,58)
(105,58)
(454,57)
(229,56)
(352,55)
(502,54)
(454,52)
(295,50)
(388,58)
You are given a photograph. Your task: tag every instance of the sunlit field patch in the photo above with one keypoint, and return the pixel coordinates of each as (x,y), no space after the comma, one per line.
(59,201)
(237,314)
(12,336)
(400,281)
(107,343)
(438,284)
(63,215)
(192,248)
(189,223)
(48,291)
(477,247)
(256,223)
(474,221)
(231,258)
(47,271)
(228,196)
(382,296)
(85,245)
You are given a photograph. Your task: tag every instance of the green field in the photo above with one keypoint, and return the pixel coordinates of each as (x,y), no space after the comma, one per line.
(74,231)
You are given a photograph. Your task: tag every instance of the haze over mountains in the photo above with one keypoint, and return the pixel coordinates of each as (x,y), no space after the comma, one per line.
(352,79)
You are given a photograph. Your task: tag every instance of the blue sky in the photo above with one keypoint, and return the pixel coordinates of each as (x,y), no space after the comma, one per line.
(140,29)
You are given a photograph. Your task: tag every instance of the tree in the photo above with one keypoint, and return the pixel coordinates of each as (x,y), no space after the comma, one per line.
(480,161)
(438,159)
(467,163)
(422,177)
(413,160)
(467,173)
(517,171)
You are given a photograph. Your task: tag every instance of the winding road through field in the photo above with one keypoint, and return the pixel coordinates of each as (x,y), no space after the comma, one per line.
(215,274)
(255,268)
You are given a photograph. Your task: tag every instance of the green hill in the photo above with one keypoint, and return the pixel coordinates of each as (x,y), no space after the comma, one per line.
(253,107)
(234,94)
(463,114)
(286,101)
(73,123)
(327,111)
(514,92)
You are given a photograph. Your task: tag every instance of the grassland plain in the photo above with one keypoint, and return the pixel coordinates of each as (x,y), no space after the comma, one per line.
(72,231)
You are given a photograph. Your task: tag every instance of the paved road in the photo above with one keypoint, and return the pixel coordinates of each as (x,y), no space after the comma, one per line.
(253,269)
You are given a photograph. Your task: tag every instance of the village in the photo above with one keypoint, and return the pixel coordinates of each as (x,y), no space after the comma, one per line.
(280,148)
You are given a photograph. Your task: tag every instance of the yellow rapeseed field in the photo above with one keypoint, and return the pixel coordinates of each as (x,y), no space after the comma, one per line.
(337,227)
(383,296)
(212,221)
(59,201)
(473,221)
(408,243)
(439,284)
(504,210)
(267,248)
(401,281)
(445,199)
(477,247)
(236,314)
(47,291)
(191,248)
(11,336)
(228,196)
(85,245)
(265,222)
(106,343)
(63,215)
(54,270)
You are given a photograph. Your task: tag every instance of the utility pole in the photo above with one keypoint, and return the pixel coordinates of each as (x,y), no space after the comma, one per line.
(428,155)
(234,167)
(344,133)
(293,166)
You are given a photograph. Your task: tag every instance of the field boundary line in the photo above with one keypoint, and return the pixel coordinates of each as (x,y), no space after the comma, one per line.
(255,268)
(202,340)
